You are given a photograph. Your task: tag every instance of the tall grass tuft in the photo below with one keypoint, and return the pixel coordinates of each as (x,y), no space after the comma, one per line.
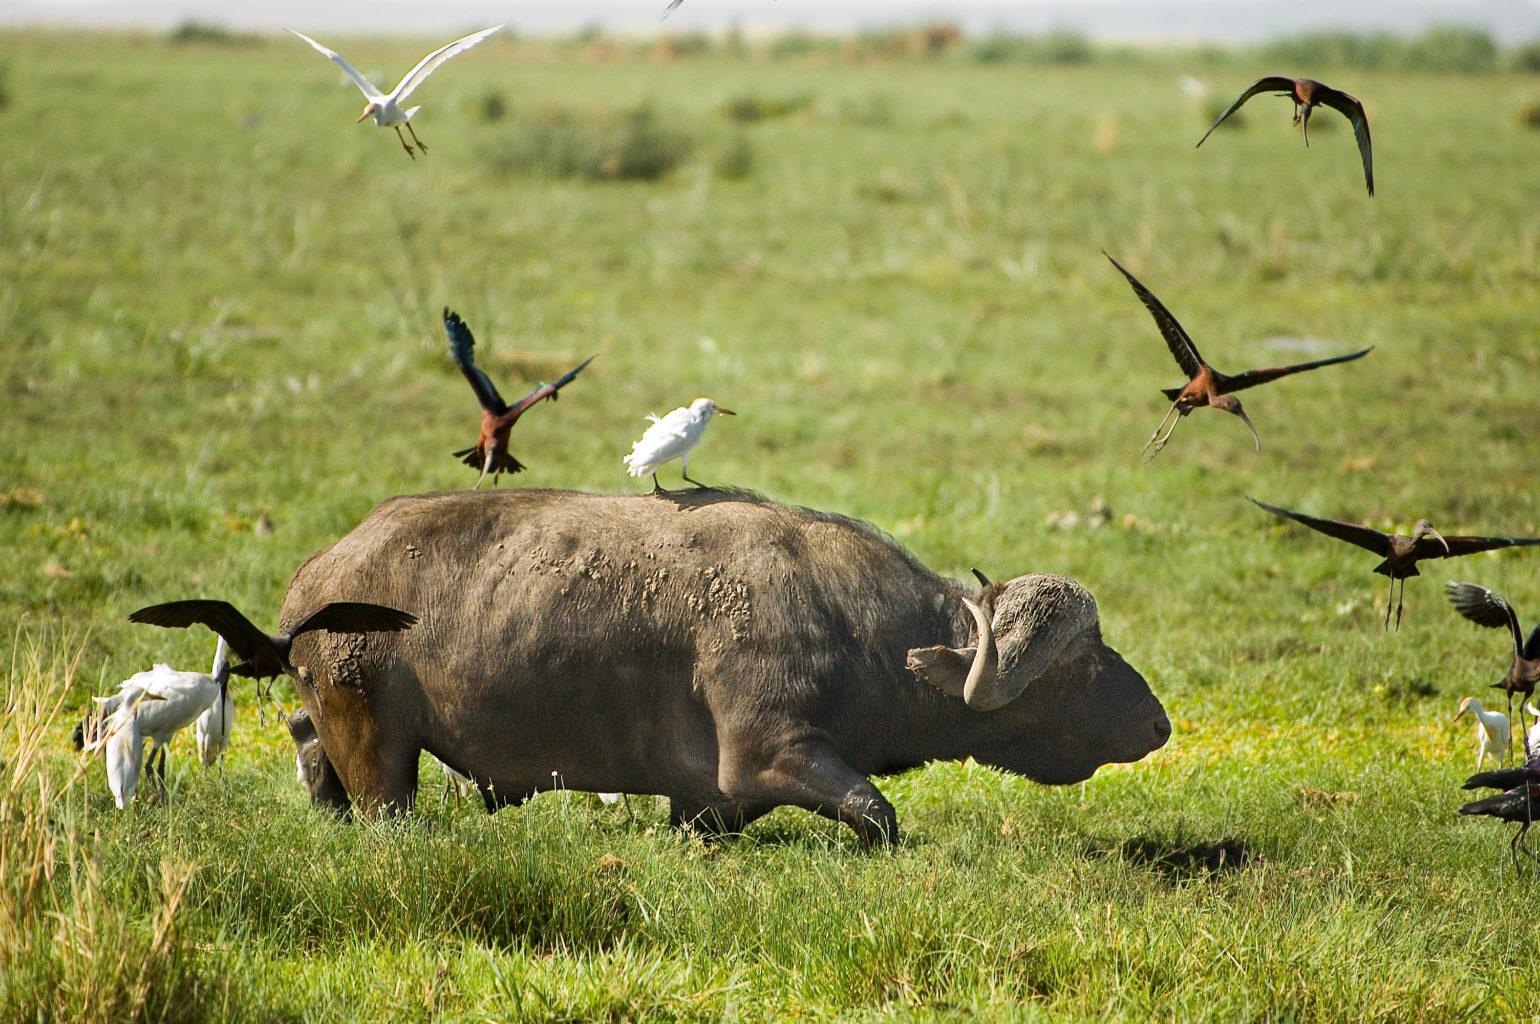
(69,951)
(631,144)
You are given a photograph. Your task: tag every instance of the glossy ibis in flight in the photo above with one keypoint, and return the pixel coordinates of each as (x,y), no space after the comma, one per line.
(1401,553)
(267,655)
(386,108)
(497,416)
(1486,608)
(672,436)
(1206,385)
(1307,94)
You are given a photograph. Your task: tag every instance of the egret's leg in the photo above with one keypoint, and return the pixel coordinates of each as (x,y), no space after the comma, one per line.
(414,138)
(684,471)
(403,142)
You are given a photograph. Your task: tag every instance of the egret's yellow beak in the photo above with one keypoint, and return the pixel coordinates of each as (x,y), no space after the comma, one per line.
(725,412)
(369,109)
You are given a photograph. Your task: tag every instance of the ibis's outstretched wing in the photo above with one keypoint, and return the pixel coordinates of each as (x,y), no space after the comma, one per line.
(1353,110)
(1182,348)
(462,349)
(1272,83)
(1353,533)
(244,638)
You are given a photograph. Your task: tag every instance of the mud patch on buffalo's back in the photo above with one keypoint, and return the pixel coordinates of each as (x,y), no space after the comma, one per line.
(342,655)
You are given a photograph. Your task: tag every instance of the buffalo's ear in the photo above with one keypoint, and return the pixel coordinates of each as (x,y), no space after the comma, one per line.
(945,668)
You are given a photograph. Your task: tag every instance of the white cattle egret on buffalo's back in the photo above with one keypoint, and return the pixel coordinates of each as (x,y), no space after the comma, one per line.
(386,108)
(673,436)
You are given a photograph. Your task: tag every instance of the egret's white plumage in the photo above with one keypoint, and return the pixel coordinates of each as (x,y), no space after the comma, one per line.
(124,751)
(1494,733)
(673,436)
(386,108)
(162,702)
(214,726)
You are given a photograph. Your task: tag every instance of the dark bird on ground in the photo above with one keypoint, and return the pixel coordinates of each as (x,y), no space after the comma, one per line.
(1486,608)
(268,655)
(497,416)
(1519,801)
(1307,94)
(1206,385)
(1401,553)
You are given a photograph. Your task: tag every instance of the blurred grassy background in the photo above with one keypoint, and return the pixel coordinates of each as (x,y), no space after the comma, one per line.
(219,319)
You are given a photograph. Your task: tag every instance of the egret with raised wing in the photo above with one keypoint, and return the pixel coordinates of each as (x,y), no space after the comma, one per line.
(386,108)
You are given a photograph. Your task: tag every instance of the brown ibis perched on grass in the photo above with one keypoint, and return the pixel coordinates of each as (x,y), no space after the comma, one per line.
(267,655)
(1206,385)
(491,452)
(1401,553)
(1307,94)
(1486,608)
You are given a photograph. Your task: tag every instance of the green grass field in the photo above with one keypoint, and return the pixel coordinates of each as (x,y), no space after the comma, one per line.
(219,309)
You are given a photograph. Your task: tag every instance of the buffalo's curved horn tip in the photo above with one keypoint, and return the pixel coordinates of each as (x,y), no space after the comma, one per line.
(979,687)
(983,580)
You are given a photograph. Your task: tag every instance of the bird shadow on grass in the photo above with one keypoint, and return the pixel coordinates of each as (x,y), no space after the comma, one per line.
(1177,859)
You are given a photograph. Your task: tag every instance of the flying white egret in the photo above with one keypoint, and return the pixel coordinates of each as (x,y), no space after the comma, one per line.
(386,108)
(673,436)
(1494,733)
(213,727)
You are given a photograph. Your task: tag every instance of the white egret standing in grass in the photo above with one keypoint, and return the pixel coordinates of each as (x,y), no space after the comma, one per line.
(1494,733)
(164,701)
(124,752)
(673,436)
(386,108)
(214,726)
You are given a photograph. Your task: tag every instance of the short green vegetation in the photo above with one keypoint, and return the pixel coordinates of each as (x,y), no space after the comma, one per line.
(220,346)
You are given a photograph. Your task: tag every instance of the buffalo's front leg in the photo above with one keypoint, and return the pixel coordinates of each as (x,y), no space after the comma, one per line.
(714,819)
(812,776)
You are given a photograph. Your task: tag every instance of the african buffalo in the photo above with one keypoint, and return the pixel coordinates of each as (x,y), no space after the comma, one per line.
(711,646)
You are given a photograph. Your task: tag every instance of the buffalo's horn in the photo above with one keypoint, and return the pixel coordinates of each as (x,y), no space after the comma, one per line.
(983,580)
(1053,613)
(984,673)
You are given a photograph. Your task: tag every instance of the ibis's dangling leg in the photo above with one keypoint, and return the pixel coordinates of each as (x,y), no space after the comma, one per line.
(1161,443)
